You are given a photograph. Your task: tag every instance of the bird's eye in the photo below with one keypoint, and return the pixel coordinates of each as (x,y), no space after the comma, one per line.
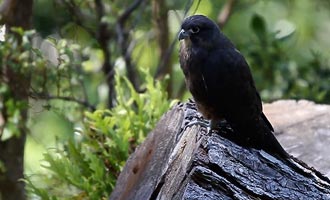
(195,29)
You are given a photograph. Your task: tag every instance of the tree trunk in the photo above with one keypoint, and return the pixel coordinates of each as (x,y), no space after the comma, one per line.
(15,13)
(178,162)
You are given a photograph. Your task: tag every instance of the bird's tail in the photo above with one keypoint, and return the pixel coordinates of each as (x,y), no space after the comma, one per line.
(259,135)
(267,141)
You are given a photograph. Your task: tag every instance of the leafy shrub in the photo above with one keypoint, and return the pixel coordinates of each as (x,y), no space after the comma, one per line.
(278,73)
(88,165)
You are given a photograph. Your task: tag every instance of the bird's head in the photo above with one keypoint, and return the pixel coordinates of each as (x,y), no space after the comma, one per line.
(201,31)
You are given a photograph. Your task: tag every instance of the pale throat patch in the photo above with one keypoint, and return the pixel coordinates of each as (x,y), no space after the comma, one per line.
(186,48)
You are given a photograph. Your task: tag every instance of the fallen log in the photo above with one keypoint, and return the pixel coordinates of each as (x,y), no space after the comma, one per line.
(179,162)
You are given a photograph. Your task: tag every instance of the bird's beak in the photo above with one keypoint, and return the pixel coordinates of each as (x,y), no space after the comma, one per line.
(183,34)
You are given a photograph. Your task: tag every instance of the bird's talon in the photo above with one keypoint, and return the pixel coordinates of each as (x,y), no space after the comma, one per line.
(201,123)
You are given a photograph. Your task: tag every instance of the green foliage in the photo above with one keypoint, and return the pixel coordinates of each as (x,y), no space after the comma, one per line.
(313,82)
(25,69)
(281,75)
(15,65)
(259,27)
(88,165)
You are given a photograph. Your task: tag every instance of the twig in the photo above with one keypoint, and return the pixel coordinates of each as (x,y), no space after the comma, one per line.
(64,98)
(104,34)
(225,13)
(123,17)
(160,22)
(123,41)
(198,3)
(78,17)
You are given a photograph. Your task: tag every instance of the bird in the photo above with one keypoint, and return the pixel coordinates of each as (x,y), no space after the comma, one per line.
(220,81)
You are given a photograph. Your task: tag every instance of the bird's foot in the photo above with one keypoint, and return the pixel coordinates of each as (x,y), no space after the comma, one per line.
(200,122)
(221,124)
(218,124)
(221,127)
(210,126)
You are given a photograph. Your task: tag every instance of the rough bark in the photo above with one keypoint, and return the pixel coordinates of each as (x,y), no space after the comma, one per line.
(15,14)
(176,162)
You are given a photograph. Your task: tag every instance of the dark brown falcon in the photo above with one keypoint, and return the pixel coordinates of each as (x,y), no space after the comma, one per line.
(221,83)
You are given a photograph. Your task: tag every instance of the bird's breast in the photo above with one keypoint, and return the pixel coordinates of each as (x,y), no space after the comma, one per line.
(185,51)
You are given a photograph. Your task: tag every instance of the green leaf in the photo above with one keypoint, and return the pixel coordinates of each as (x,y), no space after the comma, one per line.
(258,25)
(52,40)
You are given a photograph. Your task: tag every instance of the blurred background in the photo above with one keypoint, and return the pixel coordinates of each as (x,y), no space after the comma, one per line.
(86,80)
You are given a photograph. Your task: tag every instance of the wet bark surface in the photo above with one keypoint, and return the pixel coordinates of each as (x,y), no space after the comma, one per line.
(180,162)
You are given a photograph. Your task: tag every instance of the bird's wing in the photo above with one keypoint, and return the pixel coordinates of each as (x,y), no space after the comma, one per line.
(268,124)
(250,84)
(229,82)
(264,118)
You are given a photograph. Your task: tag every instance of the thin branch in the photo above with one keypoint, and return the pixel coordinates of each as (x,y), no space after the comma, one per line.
(124,44)
(104,34)
(64,98)
(160,22)
(124,16)
(225,13)
(198,3)
(78,17)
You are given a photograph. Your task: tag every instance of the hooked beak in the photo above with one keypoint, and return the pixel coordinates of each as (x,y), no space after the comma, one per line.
(183,34)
